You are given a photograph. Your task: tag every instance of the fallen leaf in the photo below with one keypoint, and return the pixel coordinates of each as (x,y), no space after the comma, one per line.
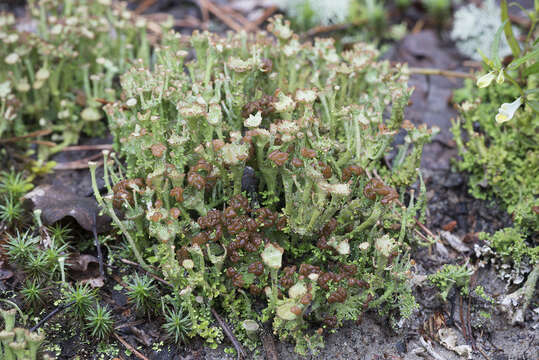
(81,262)
(96,282)
(57,202)
(5,274)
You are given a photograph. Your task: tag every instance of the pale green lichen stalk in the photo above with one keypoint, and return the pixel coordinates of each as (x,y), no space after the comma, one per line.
(56,77)
(254,175)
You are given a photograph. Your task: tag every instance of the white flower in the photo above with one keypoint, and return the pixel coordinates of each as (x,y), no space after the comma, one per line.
(507,111)
(486,79)
(500,77)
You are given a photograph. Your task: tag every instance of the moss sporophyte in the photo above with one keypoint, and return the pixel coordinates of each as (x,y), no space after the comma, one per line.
(254,173)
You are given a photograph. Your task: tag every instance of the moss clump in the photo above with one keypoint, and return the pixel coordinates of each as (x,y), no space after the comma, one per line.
(255,181)
(500,151)
(452,276)
(501,160)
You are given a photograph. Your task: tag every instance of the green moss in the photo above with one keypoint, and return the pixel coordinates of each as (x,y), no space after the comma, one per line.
(510,245)
(452,276)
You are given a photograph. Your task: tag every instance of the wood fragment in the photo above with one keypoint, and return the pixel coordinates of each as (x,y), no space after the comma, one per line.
(269,344)
(469,325)
(143,6)
(461,315)
(265,15)
(418,26)
(482,352)
(129,347)
(247,25)
(221,15)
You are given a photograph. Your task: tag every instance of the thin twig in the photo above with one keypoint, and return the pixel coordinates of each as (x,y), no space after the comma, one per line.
(469,326)
(129,347)
(79,164)
(430,349)
(482,352)
(133,323)
(247,25)
(461,315)
(143,6)
(204,11)
(317,30)
(441,72)
(229,334)
(265,15)
(269,344)
(50,315)
(29,135)
(418,26)
(163,281)
(44,143)
(88,147)
(220,14)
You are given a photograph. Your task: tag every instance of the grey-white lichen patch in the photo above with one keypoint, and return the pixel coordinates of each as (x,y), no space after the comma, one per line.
(323,12)
(474,29)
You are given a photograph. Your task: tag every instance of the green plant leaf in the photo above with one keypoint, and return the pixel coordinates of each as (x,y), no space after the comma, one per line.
(532,69)
(534,105)
(508,29)
(534,54)
(495,47)
(486,60)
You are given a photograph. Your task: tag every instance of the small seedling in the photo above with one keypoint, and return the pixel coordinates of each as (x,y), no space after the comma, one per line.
(21,246)
(10,210)
(14,183)
(33,293)
(99,321)
(142,292)
(177,325)
(82,297)
(37,266)
(61,234)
